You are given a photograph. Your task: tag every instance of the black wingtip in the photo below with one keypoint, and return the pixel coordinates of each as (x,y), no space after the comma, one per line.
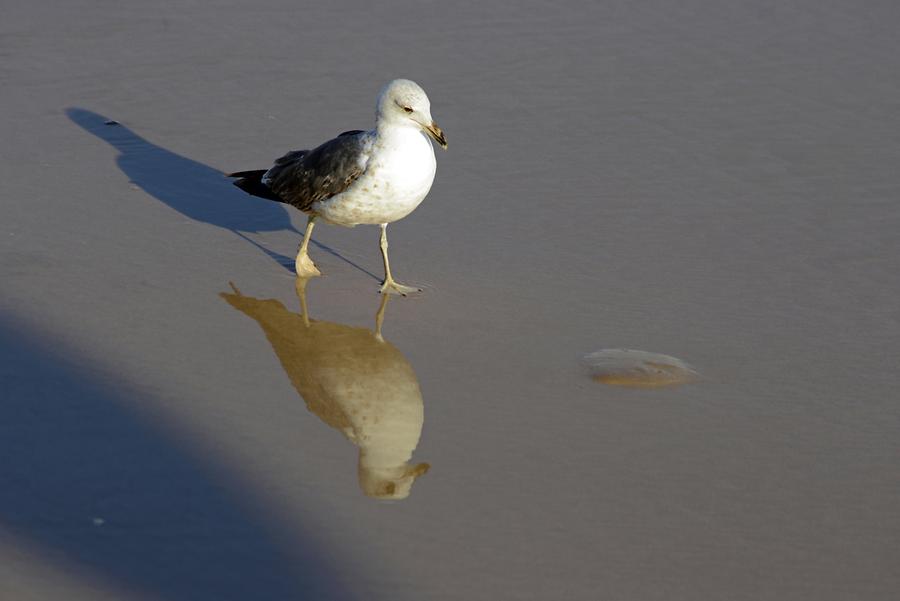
(251,183)
(253,173)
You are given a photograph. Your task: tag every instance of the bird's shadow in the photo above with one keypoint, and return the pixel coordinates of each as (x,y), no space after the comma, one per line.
(193,189)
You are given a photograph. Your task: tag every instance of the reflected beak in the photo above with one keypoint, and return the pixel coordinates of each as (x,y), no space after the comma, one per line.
(419,470)
(435,132)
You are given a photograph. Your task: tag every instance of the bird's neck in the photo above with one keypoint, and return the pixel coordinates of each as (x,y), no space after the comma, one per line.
(388,127)
(385,457)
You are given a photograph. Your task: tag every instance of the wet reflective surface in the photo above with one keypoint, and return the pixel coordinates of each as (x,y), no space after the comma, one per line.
(713,181)
(353,380)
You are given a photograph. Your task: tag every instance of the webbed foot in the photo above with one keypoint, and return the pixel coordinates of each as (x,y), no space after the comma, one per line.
(305,267)
(392,287)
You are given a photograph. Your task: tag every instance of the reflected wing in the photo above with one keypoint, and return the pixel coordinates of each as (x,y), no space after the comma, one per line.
(303,177)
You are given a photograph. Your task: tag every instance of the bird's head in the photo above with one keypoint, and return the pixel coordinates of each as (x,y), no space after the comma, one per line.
(403,101)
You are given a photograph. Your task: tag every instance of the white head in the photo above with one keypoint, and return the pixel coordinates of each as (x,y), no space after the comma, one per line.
(404,102)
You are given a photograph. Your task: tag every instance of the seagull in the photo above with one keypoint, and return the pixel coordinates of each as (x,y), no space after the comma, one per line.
(360,177)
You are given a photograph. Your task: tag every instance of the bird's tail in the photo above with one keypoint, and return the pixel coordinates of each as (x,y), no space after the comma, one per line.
(251,183)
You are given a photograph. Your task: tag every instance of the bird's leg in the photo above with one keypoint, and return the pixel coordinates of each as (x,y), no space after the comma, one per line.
(304,265)
(390,286)
(300,287)
(379,316)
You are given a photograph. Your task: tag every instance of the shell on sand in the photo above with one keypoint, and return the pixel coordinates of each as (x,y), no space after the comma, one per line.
(638,369)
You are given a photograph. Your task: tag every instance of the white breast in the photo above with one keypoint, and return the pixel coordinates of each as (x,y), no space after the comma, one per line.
(398,176)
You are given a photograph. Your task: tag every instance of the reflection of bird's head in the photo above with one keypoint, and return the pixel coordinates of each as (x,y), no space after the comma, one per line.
(390,483)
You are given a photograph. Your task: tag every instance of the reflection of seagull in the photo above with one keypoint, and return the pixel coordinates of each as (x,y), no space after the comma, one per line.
(355,381)
(373,177)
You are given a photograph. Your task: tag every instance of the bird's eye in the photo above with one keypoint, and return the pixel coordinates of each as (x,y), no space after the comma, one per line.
(408,109)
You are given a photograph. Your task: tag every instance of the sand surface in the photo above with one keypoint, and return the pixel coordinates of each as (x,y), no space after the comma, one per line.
(712,181)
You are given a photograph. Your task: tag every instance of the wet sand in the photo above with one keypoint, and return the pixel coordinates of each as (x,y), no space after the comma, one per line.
(712,182)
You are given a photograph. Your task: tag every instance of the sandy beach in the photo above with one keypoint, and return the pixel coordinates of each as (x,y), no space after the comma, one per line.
(714,183)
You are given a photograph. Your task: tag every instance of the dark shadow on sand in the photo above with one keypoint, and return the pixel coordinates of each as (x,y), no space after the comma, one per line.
(104,491)
(193,189)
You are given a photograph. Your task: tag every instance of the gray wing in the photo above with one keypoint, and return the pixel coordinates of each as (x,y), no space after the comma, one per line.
(303,177)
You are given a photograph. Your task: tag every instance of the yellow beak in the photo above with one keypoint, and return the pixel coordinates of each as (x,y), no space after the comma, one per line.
(437,133)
